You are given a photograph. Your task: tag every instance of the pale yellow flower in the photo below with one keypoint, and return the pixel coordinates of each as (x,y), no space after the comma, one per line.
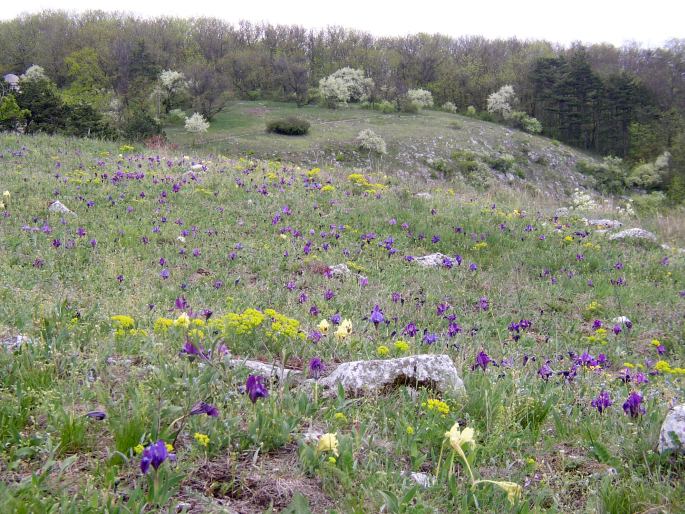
(344,329)
(323,326)
(458,438)
(328,443)
(512,489)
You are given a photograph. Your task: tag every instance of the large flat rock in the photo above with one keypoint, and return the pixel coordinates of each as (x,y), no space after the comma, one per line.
(359,378)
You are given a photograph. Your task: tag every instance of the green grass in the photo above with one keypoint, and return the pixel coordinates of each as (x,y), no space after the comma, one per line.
(542,435)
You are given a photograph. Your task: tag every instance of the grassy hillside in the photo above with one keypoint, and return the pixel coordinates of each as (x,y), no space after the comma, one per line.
(129,307)
(420,146)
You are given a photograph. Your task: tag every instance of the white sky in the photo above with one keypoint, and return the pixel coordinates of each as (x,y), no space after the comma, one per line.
(648,23)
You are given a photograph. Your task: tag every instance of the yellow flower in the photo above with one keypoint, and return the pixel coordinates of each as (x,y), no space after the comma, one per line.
(410,430)
(344,329)
(163,324)
(656,342)
(202,439)
(6,195)
(323,326)
(327,188)
(458,438)
(438,405)
(138,449)
(328,443)
(340,417)
(169,447)
(182,321)
(383,351)
(401,346)
(568,239)
(662,367)
(121,321)
(332,460)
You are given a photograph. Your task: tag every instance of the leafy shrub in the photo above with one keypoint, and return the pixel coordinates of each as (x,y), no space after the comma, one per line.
(176,116)
(650,174)
(407,106)
(290,126)
(503,163)
(650,203)
(386,107)
(140,125)
(610,174)
(527,123)
(471,111)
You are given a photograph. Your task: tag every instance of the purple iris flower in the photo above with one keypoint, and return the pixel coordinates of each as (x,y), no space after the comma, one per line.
(633,405)
(256,387)
(316,367)
(336,318)
(602,402)
(453,329)
(596,324)
(96,414)
(429,337)
(545,372)
(410,330)
(482,361)
(204,408)
(377,315)
(190,349)
(484,304)
(154,455)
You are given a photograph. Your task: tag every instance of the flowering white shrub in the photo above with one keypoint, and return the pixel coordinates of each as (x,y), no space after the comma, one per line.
(500,101)
(420,98)
(449,107)
(345,85)
(196,124)
(581,201)
(172,80)
(369,140)
(34,72)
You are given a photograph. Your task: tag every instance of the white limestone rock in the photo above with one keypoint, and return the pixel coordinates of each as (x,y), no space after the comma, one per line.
(376,376)
(672,436)
(60,208)
(633,233)
(434,260)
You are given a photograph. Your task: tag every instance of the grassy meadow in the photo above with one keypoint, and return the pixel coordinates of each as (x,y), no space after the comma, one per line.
(130,309)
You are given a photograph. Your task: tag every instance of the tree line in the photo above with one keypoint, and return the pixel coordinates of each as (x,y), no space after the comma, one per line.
(623,101)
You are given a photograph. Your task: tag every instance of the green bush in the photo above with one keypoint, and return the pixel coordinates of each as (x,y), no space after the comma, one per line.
(291,126)
(503,163)
(408,107)
(526,123)
(386,107)
(139,125)
(610,174)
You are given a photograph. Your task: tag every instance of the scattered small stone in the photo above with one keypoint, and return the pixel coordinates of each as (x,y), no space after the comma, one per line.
(672,435)
(434,260)
(13,343)
(425,196)
(340,270)
(424,480)
(59,207)
(510,176)
(373,376)
(606,224)
(267,370)
(561,212)
(633,233)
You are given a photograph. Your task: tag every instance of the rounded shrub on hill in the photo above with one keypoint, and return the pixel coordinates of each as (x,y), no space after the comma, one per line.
(290,126)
